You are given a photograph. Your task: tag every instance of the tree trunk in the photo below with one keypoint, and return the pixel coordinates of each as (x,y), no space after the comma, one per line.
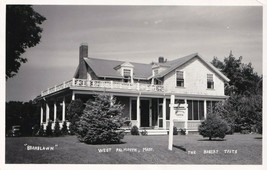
(209,138)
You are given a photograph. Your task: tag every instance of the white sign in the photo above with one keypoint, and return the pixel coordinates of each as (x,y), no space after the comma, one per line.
(180,113)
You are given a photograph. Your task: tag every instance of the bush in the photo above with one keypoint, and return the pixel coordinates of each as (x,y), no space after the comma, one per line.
(144,132)
(213,127)
(35,130)
(175,131)
(49,131)
(41,131)
(134,130)
(183,131)
(57,131)
(64,130)
(100,121)
(74,112)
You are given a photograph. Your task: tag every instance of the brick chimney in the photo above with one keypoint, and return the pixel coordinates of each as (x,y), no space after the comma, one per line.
(82,65)
(161,59)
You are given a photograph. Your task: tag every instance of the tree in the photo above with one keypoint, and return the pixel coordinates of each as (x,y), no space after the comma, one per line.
(22,32)
(75,110)
(243,108)
(243,79)
(100,121)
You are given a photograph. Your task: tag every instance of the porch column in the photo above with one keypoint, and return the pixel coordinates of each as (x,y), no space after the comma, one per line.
(138,111)
(42,114)
(164,112)
(73,96)
(47,113)
(55,111)
(205,109)
(63,109)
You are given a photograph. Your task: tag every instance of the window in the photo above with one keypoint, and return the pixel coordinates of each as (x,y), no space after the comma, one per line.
(195,109)
(210,82)
(127,75)
(179,79)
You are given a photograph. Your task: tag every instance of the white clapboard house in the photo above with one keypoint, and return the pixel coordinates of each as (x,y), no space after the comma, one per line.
(143,89)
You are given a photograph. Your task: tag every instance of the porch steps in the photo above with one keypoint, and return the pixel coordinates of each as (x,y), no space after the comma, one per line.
(156,132)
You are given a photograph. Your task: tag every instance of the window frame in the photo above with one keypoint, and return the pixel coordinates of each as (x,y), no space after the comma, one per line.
(182,80)
(210,82)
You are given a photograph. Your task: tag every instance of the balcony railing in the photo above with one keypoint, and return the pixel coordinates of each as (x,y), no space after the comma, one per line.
(103,84)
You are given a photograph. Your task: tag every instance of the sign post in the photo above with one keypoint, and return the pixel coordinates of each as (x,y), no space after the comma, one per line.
(178,113)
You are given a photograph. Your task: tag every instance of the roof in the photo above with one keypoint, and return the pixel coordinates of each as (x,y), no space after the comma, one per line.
(174,64)
(106,68)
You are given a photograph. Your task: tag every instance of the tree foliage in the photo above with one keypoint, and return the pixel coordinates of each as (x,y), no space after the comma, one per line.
(243,79)
(100,121)
(214,126)
(74,112)
(243,109)
(22,32)
(25,114)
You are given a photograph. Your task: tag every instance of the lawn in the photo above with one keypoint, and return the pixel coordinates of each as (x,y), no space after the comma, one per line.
(190,149)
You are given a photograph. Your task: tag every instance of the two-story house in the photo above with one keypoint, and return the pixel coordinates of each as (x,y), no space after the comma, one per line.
(143,89)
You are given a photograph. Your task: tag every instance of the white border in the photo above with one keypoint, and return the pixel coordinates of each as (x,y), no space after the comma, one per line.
(122,2)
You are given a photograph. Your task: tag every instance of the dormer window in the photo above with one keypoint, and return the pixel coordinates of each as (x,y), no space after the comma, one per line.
(210,82)
(179,79)
(127,73)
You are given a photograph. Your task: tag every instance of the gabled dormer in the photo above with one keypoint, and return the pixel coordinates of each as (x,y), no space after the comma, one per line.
(126,70)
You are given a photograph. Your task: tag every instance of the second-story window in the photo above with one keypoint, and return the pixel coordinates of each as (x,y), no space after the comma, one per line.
(179,79)
(210,82)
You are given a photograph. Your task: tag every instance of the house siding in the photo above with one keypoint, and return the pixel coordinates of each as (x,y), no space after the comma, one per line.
(195,80)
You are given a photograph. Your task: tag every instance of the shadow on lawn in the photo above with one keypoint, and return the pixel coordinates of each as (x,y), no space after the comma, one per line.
(258,138)
(179,147)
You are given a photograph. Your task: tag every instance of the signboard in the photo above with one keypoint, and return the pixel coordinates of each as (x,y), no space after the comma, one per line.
(180,113)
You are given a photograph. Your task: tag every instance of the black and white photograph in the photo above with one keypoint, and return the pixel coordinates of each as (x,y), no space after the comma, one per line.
(133,84)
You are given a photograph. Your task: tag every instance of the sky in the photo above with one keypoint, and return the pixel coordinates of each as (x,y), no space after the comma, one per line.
(134,33)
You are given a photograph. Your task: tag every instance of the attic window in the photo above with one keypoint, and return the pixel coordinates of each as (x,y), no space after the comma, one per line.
(210,82)
(126,73)
(179,79)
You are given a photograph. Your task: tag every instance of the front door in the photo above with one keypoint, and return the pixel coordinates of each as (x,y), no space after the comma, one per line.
(144,113)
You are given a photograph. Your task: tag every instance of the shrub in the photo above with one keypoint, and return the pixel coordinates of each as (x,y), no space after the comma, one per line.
(183,131)
(213,127)
(100,121)
(41,130)
(144,133)
(35,130)
(74,112)
(49,131)
(57,131)
(134,130)
(175,131)
(64,130)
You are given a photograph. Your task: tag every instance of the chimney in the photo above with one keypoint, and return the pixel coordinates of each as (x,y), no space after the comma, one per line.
(82,66)
(83,51)
(161,59)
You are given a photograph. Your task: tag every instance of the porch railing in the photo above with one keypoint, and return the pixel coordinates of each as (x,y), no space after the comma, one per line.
(103,84)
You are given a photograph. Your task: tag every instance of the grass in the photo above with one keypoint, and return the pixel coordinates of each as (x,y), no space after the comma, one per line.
(68,150)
